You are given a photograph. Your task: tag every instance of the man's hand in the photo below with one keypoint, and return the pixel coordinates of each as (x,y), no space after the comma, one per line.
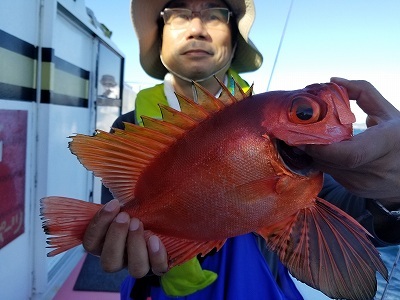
(368,165)
(120,242)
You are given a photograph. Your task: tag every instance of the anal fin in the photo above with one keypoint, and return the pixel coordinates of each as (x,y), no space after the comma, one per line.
(182,250)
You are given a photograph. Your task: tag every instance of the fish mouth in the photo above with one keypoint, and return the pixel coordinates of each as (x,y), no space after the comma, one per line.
(295,159)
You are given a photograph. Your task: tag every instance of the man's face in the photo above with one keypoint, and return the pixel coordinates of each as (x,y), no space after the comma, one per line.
(197,50)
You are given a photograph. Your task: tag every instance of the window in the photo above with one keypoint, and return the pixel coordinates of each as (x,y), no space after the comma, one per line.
(109,76)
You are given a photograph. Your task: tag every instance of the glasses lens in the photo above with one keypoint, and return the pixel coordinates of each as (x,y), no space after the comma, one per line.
(215,16)
(179,18)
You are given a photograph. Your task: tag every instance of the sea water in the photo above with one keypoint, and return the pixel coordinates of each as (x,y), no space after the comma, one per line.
(392,292)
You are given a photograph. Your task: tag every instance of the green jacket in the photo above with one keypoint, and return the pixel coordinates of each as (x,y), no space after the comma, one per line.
(147,100)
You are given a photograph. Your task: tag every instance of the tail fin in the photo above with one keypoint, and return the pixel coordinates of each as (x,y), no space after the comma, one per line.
(327,249)
(66,220)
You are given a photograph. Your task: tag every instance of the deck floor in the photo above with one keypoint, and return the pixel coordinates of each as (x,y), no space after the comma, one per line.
(67,290)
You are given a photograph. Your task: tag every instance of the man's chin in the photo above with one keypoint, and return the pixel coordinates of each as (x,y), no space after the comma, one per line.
(196,74)
(201,73)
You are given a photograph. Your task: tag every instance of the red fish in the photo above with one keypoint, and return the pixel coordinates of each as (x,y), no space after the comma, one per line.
(226,167)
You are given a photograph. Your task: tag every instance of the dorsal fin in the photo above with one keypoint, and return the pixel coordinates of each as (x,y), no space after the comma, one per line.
(226,97)
(249,92)
(121,156)
(240,94)
(118,160)
(162,126)
(206,99)
(191,108)
(177,118)
(140,139)
(155,135)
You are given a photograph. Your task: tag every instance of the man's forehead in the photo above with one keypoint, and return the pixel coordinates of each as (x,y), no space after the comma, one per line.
(196,4)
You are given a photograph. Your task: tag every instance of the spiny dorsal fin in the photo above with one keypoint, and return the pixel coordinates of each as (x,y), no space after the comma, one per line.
(226,97)
(191,108)
(162,126)
(120,157)
(249,92)
(177,118)
(140,139)
(155,135)
(207,100)
(240,94)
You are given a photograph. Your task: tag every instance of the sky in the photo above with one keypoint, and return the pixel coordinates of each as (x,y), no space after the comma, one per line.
(354,39)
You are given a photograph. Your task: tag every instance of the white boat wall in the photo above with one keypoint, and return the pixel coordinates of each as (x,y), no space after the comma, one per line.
(60,74)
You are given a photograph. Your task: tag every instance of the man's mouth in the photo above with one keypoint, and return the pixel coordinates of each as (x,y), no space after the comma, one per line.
(197,52)
(196,48)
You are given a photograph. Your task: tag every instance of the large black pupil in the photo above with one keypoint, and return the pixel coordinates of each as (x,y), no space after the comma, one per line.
(304,112)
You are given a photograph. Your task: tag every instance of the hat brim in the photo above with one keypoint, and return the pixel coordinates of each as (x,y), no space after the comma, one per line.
(146,15)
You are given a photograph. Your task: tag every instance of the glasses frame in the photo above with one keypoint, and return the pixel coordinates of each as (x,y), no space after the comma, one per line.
(195,14)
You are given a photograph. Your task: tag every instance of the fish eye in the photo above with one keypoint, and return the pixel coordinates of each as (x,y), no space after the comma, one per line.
(304,111)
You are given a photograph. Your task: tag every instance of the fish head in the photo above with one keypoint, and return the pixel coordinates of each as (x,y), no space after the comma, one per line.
(317,114)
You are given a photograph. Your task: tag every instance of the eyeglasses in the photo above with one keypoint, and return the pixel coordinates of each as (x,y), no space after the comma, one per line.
(180,18)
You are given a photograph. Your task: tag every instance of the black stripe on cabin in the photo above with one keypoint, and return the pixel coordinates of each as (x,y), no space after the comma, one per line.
(63,65)
(15,92)
(51,97)
(14,44)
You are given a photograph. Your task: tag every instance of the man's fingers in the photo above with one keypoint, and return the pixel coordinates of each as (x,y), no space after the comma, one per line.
(368,98)
(117,239)
(144,255)
(359,90)
(361,149)
(113,254)
(97,229)
(138,259)
(158,256)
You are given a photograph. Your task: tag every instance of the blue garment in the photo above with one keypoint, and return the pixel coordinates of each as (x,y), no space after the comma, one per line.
(242,272)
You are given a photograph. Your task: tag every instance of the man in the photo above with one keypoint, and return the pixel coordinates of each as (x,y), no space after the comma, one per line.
(185,40)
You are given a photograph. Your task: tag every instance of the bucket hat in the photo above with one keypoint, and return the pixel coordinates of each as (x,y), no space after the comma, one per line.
(145,15)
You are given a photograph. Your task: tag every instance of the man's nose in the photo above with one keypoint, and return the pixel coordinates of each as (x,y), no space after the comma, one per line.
(196,26)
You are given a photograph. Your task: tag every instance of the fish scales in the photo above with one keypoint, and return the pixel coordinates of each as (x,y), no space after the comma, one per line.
(194,182)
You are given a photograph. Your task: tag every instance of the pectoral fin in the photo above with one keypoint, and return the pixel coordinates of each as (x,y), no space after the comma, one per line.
(328,250)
